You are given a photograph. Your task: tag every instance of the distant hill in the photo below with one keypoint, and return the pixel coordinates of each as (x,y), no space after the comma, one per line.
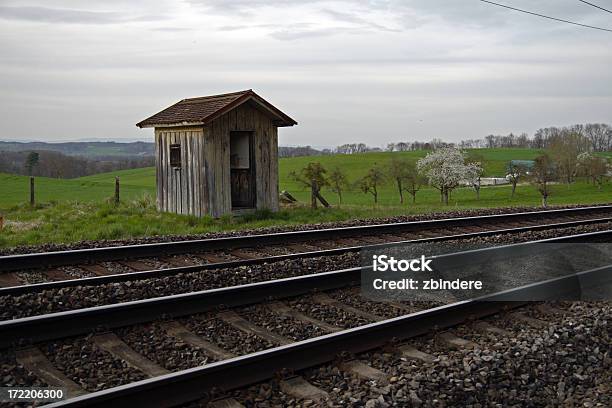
(85,149)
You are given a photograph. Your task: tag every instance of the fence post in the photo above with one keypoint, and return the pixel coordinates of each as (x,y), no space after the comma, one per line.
(313,194)
(116,190)
(32,201)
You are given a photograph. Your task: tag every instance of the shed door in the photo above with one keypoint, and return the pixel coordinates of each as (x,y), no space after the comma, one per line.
(242,169)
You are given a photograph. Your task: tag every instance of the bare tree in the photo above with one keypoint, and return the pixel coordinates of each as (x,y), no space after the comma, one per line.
(398,173)
(543,172)
(338,182)
(372,181)
(413,180)
(314,177)
(599,135)
(593,167)
(565,148)
(516,172)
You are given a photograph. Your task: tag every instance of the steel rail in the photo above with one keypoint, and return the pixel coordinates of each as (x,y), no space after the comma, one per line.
(157,273)
(197,383)
(58,258)
(80,321)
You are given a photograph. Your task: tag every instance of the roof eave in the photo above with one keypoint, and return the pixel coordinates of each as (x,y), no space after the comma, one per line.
(164,125)
(283,120)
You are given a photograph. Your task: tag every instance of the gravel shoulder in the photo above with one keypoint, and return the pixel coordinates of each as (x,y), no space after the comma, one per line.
(70,298)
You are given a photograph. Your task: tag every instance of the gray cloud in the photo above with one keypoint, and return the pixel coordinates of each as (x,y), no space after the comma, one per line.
(70,16)
(354,18)
(347,70)
(172,29)
(293,33)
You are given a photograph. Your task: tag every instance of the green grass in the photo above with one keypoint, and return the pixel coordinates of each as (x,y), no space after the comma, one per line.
(71,221)
(144,178)
(16,189)
(80,209)
(356,165)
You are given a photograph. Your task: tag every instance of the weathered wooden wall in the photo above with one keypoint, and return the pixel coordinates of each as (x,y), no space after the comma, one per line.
(181,191)
(202,185)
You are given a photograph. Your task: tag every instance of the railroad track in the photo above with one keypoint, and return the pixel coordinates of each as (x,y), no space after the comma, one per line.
(217,324)
(87,292)
(134,262)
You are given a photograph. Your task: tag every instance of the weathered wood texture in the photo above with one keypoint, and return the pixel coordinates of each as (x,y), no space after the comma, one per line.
(202,185)
(180,190)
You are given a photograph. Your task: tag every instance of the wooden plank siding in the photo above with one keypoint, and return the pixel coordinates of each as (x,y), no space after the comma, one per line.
(177,189)
(202,185)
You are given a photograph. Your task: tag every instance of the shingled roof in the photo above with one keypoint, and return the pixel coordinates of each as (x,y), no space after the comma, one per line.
(203,110)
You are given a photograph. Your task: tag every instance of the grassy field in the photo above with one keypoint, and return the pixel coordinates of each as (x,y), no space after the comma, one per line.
(356,165)
(134,183)
(15,190)
(81,209)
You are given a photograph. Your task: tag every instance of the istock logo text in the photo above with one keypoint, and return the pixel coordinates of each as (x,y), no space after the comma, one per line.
(383,263)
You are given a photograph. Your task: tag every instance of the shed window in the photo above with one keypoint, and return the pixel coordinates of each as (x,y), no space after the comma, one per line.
(175,155)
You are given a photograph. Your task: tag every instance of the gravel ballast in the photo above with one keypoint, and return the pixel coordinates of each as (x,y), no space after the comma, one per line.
(84,363)
(61,299)
(566,363)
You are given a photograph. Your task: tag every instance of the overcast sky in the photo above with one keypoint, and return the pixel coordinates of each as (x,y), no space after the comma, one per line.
(347,71)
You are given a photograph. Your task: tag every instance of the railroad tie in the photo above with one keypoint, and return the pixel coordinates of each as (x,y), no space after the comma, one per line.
(284,310)
(530,321)
(363,370)
(393,238)
(240,323)
(402,307)
(350,242)
(8,279)
(370,239)
(178,331)
(96,269)
(33,360)
(396,305)
(176,261)
(325,244)
(138,266)
(325,299)
(56,275)
(112,344)
(242,254)
(484,327)
(224,403)
(414,354)
(209,258)
(299,388)
(452,341)
(299,248)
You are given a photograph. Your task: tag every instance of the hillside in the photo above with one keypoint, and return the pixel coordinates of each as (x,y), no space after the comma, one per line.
(136,182)
(87,149)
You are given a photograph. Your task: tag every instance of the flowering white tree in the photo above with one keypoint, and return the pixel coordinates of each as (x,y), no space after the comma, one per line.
(446,168)
(594,167)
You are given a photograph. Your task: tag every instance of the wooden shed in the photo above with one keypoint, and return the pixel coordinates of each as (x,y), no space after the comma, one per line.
(217,154)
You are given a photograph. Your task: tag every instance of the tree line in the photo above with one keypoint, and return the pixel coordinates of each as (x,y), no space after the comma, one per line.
(448,167)
(444,169)
(57,165)
(597,137)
